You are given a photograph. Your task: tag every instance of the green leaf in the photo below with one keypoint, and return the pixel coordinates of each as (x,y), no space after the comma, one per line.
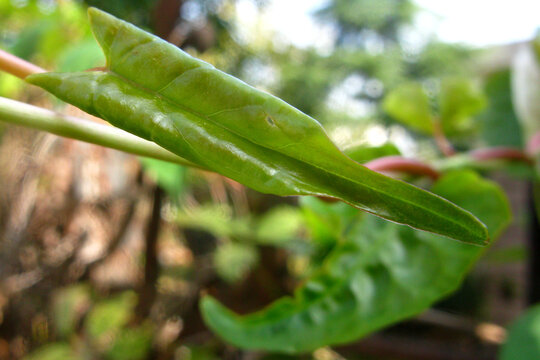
(109,316)
(83,55)
(326,221)
(69,305)
(459,100)
(131,344)
(196,353)
(54,351)
(215,218)
(279,225)
(167,175)
(524,337)
(156,91)
(409,104)
(363,154)
(234,260)
(378,274)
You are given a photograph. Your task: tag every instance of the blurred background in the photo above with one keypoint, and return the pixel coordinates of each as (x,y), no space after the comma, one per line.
(104,255)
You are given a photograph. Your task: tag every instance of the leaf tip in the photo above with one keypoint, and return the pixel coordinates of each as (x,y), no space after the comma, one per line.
(42,80)
(480,237)
(104,26)
(210,308)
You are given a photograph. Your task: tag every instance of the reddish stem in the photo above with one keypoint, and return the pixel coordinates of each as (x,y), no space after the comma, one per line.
(500,153)
(442,142)
(401,164)
(17,66)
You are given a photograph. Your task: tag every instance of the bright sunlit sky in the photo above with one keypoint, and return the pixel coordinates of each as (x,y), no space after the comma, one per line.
(474,22)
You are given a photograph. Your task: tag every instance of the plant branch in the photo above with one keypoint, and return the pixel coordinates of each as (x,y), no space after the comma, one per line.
(500,153)
(17,66)
(441,140)
(22,114)
(401,164)
(148,290)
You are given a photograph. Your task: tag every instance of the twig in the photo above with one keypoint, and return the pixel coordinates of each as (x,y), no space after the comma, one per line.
(17,66)
(148,291)
(22,114)
(30,116)
(442,142)
(500,153)
(401,164)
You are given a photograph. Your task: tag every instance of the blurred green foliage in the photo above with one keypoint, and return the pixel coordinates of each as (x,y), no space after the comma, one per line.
(53,351)
(409,104)
(383,18)
(108,332)
(458,100)
(377,274)
(233,261)
(363,153)
(524,337)
(69,305)
(167,175)
(500,126)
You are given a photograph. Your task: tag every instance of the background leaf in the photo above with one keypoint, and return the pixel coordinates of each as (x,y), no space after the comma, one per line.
(53,351)
(109,316)
(363,154)
(234,260)
(524,337)
(69,305)
(409,104)
(379,273)
(459,100)
(167,175)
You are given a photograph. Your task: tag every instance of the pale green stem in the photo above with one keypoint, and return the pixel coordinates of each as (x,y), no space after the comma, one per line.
(18,113)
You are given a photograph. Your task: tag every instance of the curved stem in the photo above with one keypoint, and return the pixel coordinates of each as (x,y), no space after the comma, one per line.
(22,114)
(500,153)
(17,66)
(401,164)
(441,140)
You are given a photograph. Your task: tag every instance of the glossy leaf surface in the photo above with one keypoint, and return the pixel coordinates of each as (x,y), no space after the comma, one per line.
(378,274)
(156,91)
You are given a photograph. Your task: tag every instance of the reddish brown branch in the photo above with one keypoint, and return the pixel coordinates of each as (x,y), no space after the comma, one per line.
(442,142)
(17,66)
(500,153)
(401,164)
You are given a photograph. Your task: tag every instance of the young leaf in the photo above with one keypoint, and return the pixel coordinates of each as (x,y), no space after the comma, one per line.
(409,105)
(156,91)
(381,273)
(459,100)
